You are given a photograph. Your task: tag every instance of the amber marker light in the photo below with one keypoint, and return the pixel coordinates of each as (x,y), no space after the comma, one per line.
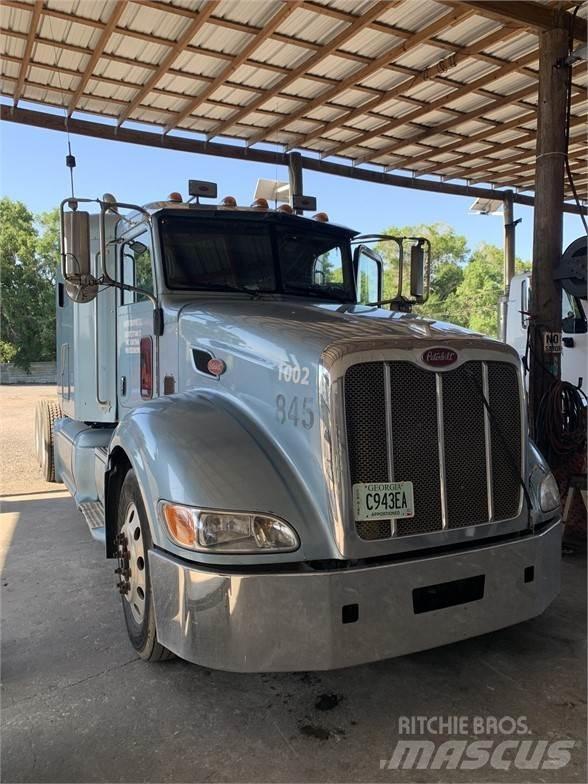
(181,524)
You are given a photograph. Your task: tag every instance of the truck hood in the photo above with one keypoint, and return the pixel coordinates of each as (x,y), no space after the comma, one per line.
(261,325)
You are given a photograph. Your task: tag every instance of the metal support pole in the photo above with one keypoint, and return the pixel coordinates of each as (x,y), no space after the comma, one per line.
(509,240)
(295,177)
(548,216)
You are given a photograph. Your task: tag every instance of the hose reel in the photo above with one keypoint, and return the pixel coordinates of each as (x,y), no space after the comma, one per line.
(571,270)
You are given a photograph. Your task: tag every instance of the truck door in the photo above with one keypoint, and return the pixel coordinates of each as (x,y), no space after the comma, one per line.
(574,365)
(136,342)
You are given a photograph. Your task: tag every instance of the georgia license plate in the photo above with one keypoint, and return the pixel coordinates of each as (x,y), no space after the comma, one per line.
(383,500)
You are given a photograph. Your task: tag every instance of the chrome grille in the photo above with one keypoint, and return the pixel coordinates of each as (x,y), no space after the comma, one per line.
(405,423)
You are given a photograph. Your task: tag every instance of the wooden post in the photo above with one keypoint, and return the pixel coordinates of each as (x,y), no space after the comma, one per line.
(548,217)
(295,177)
(509,239)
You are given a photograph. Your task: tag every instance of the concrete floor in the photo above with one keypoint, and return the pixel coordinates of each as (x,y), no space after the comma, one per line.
(80,707)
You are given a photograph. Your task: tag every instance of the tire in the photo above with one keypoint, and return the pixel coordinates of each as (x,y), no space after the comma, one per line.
(46,414)
(137,601)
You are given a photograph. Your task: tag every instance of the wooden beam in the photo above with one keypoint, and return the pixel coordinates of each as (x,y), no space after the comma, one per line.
(376,64)
(328,48)
(268,29)
(110,132)
(189,32)
(537,15)
(28,50)
(96,55)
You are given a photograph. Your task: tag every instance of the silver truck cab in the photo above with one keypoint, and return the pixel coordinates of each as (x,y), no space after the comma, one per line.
(289,476)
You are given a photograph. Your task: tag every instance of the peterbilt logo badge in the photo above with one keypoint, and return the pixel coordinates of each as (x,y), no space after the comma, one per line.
(439,357)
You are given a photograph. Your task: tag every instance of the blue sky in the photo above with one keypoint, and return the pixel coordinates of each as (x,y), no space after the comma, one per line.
(32,169)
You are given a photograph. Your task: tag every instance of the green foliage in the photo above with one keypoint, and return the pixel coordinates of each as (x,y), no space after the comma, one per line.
(29,253)
(465,286)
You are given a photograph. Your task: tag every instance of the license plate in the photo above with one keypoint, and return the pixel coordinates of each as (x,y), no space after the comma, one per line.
(383,500)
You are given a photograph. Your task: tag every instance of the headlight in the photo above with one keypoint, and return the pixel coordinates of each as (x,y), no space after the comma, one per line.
(548,493)
(227,532)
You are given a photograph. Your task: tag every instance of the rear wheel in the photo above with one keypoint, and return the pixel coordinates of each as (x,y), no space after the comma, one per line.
(46,413)
(133,544)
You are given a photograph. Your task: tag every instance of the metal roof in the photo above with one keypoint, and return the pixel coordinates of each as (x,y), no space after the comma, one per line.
(432,87)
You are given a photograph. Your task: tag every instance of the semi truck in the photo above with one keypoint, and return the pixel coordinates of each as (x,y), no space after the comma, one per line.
(288,471)
(574,340)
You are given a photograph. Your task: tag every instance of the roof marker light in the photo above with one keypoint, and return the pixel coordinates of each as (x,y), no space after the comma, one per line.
(322,217)
(260,204)
(228,201)
(175,196)
(285,208)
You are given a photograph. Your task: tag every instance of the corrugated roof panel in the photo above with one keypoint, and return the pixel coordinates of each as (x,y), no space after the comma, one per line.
(255,14)
(14,19)
(68,31)
(13,47)
(371,43)
(153,22)
(136,49)
(309,25)
(414,15)
(281,54)
(9,69)
(309,106)
(421,57)
(513,48)
(470,30)
(221,39)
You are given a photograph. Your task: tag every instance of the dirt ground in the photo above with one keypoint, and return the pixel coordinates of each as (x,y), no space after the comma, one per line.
(79,706)
(17,456)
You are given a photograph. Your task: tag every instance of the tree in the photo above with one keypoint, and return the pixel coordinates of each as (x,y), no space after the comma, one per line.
(465,287)
(449,252)
(483,283)
(29,253)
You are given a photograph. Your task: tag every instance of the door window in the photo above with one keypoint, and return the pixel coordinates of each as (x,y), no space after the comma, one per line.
(137,268)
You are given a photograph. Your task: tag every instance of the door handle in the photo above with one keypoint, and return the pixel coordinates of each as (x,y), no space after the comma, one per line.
(123,386)
(568,342)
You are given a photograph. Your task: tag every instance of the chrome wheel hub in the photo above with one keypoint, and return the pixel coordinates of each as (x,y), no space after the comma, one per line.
(131,563)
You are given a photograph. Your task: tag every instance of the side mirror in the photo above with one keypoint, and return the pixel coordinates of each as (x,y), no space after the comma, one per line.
(417,271)
(368,267)
(80,284)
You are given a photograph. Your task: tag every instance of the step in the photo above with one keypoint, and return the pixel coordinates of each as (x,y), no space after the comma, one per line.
(93,513)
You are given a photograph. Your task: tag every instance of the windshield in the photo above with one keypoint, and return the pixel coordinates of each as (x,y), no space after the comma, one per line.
(256,256)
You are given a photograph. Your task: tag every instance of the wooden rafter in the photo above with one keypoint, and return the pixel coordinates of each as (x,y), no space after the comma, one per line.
(367,70)
(483,136)
(190,31)
(433,72)
(466,89)
(332,46)
(95,56)
(398,144)
(269,28)
(26,58)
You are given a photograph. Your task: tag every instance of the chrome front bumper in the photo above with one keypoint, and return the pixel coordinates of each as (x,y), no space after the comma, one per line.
(262,622)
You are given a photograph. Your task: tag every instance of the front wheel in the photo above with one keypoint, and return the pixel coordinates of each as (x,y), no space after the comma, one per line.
(133,543)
